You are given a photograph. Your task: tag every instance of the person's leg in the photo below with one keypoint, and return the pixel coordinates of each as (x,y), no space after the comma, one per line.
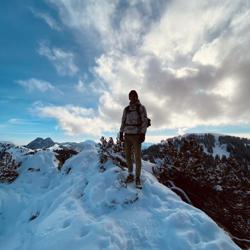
(137,153)
(128,147)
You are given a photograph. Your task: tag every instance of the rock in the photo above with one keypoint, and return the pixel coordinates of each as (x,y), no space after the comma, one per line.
(40,143)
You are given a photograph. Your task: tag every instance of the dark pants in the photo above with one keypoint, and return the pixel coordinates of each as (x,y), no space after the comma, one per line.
(133,141)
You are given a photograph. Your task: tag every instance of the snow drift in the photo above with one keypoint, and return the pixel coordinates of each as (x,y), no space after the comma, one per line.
(80,207)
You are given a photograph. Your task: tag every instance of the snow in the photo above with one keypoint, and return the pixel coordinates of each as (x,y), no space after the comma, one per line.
(7,142)
(220,150)
(79,146)
(218,188)
(56,146)
(88,209)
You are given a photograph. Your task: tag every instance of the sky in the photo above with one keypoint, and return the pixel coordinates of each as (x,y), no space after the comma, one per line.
(66,67)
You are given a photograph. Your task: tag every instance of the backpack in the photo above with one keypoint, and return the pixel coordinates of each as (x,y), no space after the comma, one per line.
(139,114)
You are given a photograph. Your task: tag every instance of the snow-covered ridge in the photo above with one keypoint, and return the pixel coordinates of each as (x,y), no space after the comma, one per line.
(80,207)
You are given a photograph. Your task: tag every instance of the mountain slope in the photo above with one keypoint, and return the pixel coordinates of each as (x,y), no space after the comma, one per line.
(214,172)
(45,208)
(40,143)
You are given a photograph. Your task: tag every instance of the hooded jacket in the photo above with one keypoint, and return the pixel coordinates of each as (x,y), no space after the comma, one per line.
(131,122)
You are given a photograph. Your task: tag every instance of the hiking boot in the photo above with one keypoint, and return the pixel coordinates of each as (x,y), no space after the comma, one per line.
(130,178)
(138,182)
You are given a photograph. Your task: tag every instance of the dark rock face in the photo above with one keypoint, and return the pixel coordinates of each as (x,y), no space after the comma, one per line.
(40,143)
(218,185)
(8,166)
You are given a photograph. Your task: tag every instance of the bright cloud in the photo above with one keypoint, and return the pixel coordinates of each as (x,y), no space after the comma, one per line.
(62,60)
(189,60)
(74,120)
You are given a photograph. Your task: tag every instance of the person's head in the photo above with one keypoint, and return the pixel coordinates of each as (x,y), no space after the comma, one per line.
(133,96)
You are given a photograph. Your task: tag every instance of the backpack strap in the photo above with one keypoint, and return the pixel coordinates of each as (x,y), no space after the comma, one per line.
(139,113)
(126,111)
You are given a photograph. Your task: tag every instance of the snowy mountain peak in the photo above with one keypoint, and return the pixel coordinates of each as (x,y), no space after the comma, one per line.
(41,143)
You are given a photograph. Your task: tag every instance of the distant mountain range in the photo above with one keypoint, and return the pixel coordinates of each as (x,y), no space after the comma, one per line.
(40,143)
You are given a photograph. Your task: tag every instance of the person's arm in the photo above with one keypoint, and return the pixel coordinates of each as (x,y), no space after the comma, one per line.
(121,136)
(123,121)
(144,120)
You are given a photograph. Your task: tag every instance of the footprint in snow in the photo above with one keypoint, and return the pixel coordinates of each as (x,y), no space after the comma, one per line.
(66,223)
(84,231)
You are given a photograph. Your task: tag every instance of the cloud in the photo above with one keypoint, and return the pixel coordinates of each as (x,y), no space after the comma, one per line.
(47,18)
(81,87)
(19,121)
(62,60)
(189,61)
(34,84)
(15,121)
(74,120)
(119,24)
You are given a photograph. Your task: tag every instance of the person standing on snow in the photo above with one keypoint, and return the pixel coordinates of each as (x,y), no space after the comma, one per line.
(132,131)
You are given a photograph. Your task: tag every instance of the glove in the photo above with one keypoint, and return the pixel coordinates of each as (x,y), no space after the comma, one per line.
(121,137)
(141,137)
